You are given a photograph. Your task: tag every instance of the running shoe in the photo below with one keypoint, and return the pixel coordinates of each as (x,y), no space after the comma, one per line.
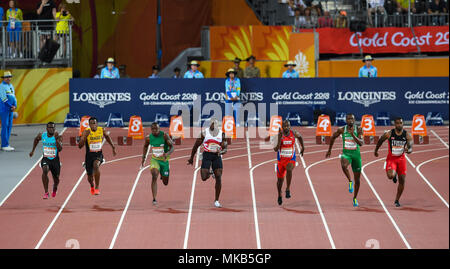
(154,202)
(217,204)
(395,179)
(45,196)
(280,200)
(355,202)
(288,194)
(53,194)
(97,192)
(350,187)
(397,204)
(92,190)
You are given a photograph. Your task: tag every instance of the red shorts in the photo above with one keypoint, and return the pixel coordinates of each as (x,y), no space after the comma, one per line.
(397,164)
(281,167)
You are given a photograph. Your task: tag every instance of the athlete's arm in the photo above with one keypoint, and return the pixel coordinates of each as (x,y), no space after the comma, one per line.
(58,139)
(409,143)
(224,145)
(197,144)
(280,135)
(358,138)
(109,140)
(171,147)
(384,137)
(144,153)
(35,143)
(83,138)
(300,139)
(333,137)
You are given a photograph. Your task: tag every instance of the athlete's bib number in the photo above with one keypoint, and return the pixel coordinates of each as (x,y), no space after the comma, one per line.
(95,147)
(213,147)
(286,152)
(350,144)
(49,152)
(158,151)
(397,151)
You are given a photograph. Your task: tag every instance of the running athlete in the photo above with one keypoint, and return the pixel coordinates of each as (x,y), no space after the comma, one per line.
(214,146)
(352,140)
(93,138)
(286,157)
(51,147)
(161,146)
(399,140)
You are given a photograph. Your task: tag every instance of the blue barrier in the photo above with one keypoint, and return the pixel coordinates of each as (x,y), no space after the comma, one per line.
(293,98)
(72,120)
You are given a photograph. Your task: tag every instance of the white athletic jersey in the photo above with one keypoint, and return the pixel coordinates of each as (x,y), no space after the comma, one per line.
(212,143)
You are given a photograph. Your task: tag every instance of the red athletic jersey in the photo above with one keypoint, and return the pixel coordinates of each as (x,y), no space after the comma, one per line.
(287,147)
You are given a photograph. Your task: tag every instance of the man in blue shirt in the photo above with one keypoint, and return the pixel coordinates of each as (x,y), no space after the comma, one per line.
(7,107)
(110,71)
(193,71)
(290,72)
(155,72)
(368,70)
(233,91)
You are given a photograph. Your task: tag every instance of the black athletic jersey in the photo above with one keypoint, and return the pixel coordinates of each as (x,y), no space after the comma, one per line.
(397,143)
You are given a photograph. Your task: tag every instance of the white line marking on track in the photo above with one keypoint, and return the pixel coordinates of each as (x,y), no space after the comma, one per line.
(382,204)
(443,142)
(429,184)
(191,202)
(124,212)
(26,175)
(248,150)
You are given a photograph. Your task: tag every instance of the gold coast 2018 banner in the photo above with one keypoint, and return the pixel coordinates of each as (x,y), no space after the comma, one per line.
(272,44)
(42,94)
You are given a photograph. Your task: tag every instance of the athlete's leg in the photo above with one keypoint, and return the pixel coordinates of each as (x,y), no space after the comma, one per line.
(96,167)
(45,170)
(165,180)
(401,186)
(391,174)
(204,174)
(55,174)
(155,174)
(357,176)
(289,168)
(280,185)
(344,165)
(218,186)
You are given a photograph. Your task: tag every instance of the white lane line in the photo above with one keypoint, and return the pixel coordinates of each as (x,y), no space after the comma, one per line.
(301,157)
(382,204)
(130,197)
(324,221)
(443,142)
(191,202)
(25,176)
(429,184)
(248,151)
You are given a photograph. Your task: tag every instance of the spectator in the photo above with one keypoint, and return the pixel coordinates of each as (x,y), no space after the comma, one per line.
(436,7)
(46,11)
(316,9)
(290,72)
(123,71)
(193,70)
(252,71)
(8,105)
(294,4)
(403,6)
(310,21)
(62,26)
(374,7)
(325,21)
(177,72)
(14,17)
(2,12)
(368,70)
(99,70)
(155,72)
(237,68)
(341,20)
(110,71)
(299,20)
(232,98)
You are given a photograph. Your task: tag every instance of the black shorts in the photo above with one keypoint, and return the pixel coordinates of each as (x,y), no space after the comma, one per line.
(213,159)
(89,162)
(54,165)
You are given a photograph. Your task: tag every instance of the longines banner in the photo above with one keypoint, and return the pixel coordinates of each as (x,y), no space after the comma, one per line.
(295,99)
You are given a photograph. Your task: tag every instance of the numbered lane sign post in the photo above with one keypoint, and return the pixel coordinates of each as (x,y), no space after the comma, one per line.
(275,125)
(323,130)
(135,128)
(419,130)
(229,128)
(176,129)
(84,124)
(368,128)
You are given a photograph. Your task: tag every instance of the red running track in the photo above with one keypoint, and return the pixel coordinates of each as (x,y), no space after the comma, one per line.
(319,214)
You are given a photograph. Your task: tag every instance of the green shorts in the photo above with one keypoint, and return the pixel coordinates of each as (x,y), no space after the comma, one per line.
(354,158)
(162,166)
